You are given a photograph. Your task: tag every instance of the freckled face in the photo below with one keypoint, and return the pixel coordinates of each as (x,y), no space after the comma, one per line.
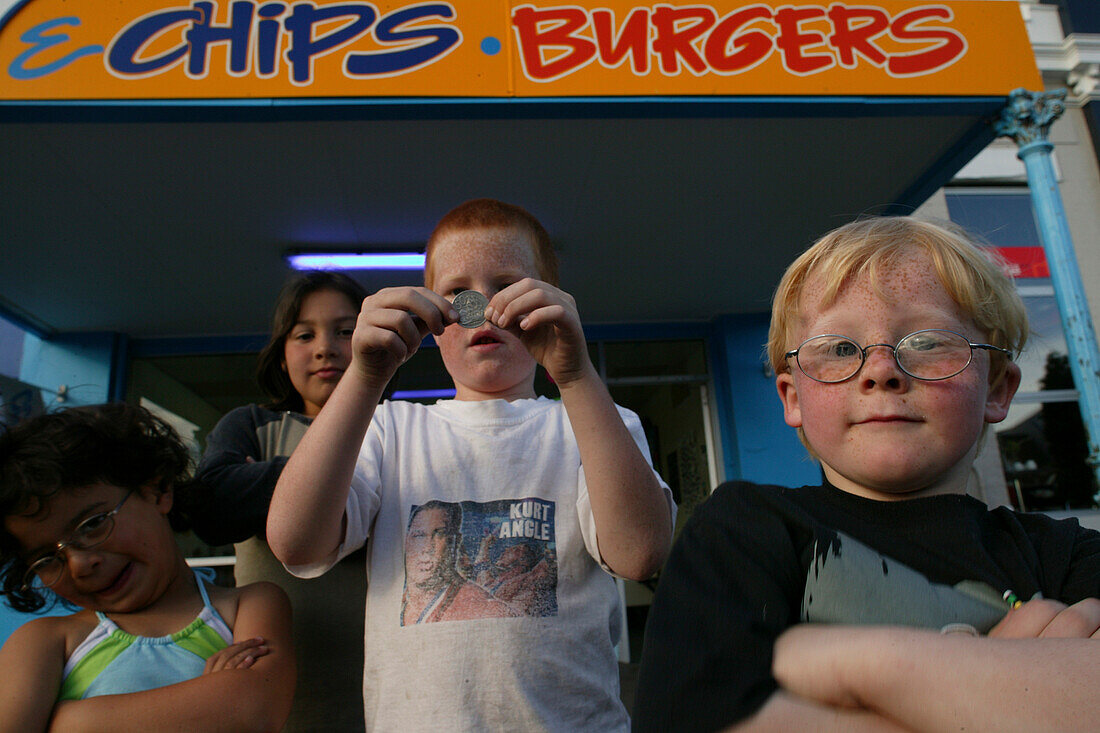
(485,362)
(883,434)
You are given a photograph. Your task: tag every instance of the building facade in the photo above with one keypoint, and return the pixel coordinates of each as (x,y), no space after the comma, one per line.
(699,380)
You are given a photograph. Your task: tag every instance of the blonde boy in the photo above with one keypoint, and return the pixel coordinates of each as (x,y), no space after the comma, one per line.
(440,494)
(832,607)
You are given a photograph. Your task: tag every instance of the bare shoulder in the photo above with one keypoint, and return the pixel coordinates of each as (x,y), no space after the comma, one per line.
(60,634)
(33,661)
(263,610)
(225,601)
(230,601)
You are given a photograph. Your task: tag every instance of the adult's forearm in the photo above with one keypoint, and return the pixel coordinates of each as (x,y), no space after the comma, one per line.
(786,712)
(932,682)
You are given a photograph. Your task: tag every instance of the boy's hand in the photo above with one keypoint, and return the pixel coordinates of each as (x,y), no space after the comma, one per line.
(391,325)
(240,655)
(549,326)
(1049,619)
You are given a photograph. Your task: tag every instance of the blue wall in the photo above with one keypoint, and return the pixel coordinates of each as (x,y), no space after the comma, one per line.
(10,620)
(757,444)
(86,364)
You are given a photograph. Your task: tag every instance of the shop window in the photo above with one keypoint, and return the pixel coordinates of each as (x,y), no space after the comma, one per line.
(665,382)
(11,348)
(1042,441)
(18,400)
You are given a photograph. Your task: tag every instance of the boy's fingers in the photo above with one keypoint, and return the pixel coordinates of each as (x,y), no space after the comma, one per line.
(395,321)
(409,328)
(542,316)
(1029,620)
(432,310)
(519,301)
(504,306)
(1079,621)
(524,285)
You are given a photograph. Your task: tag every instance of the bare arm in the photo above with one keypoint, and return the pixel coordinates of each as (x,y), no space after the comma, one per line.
(632,516)
(929,681)
(255,698)
(784,711)
(32,659)
(306,521)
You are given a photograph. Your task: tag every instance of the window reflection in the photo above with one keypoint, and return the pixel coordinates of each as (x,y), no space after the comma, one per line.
(1046,337)
(1042,441)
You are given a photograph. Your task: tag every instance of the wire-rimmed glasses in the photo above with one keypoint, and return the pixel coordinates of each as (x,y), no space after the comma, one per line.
(931,355)
(93,531)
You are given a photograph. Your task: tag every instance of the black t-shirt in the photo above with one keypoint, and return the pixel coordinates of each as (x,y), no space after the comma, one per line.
(755,560)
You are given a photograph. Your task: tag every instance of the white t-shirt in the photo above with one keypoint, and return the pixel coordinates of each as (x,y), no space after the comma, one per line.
(506,618)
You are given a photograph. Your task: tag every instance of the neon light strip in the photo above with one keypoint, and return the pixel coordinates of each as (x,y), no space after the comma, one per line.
(345,261)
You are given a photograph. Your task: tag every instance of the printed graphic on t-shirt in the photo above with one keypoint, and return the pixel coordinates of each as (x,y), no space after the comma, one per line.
(469,560)
(850,583)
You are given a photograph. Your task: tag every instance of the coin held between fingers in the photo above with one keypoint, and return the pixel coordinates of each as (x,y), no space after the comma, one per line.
(470,305)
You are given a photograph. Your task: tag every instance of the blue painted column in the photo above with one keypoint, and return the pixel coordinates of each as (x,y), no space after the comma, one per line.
(1027,119)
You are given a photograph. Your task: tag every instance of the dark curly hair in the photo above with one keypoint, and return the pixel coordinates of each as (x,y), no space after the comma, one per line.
(270,374)
(117,444)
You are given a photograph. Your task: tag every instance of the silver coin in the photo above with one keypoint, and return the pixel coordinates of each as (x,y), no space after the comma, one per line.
(470,305)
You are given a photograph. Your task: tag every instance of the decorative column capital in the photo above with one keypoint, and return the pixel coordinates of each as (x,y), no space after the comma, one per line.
(1028,115)
(1083,81)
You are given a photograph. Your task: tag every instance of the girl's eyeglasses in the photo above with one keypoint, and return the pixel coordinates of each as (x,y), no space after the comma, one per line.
(931,355)
(93,531)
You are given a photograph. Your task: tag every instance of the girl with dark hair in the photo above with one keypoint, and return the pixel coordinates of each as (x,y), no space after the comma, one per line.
(309,349)
(323,293)
(89,497)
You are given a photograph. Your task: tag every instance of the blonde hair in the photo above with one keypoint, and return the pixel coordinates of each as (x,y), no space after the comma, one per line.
(970,275)
(490,214)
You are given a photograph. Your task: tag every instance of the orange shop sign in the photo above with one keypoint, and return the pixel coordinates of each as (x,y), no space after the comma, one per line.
(145,49)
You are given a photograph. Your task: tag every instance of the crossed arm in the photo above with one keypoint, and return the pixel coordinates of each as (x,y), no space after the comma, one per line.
(247,687)
(1036,670)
